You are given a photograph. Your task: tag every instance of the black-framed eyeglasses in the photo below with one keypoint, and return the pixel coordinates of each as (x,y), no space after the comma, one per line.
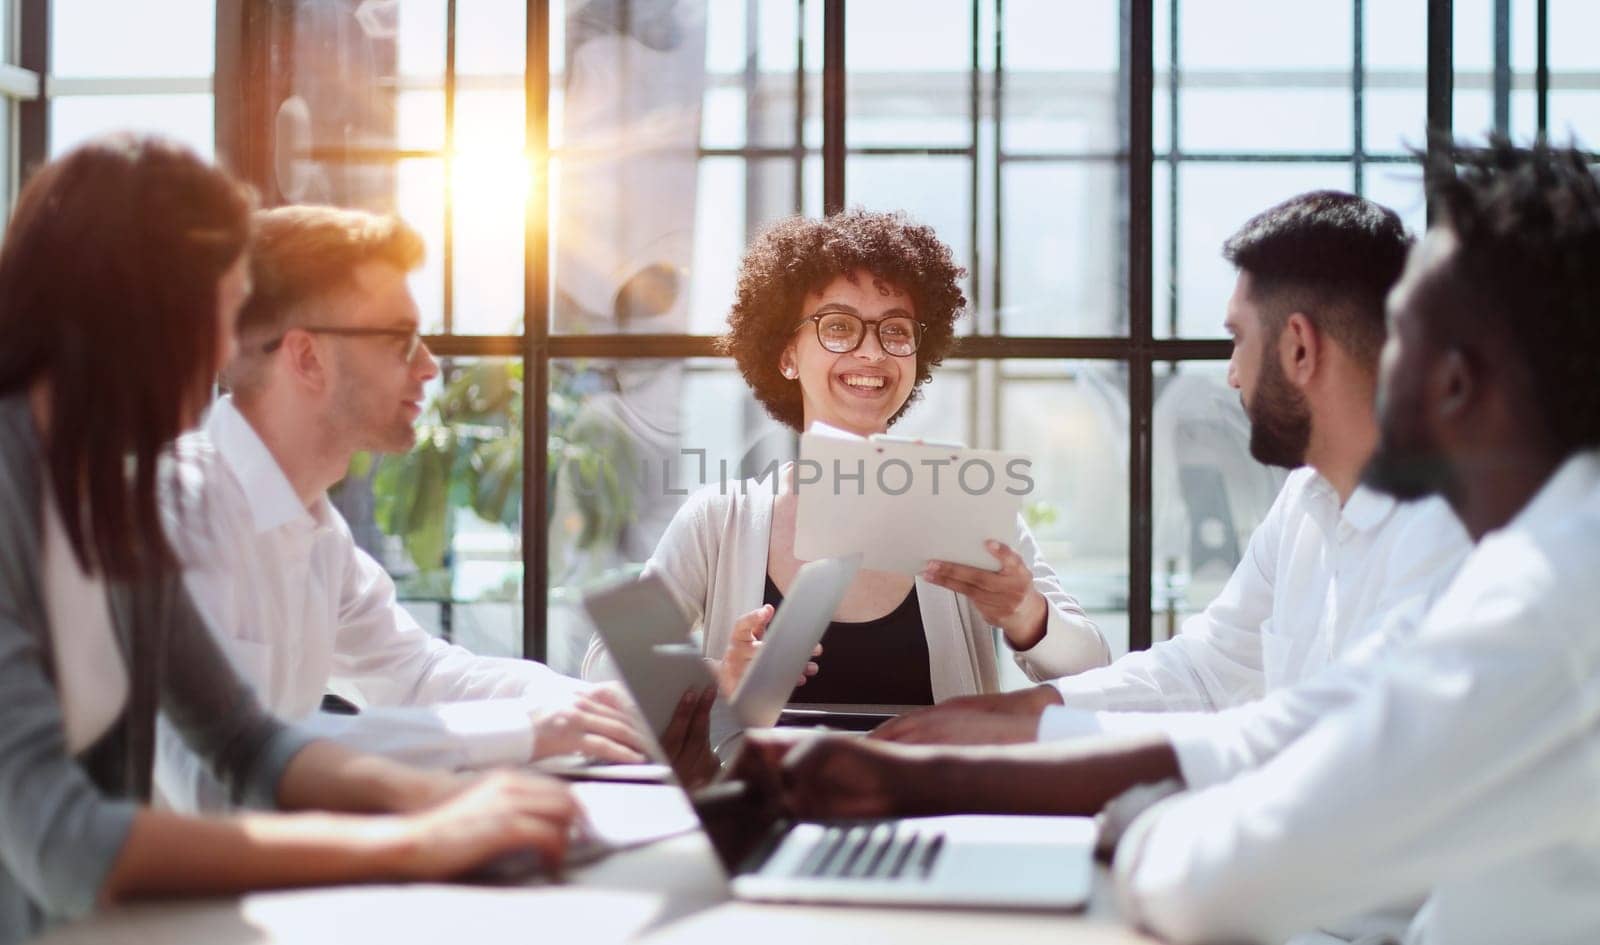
(410,337)
(843,332)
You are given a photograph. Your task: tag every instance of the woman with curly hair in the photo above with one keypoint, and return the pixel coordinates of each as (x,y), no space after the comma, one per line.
(841,321)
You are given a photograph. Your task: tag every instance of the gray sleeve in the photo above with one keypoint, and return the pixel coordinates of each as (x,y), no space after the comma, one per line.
(217,713)
(59,836)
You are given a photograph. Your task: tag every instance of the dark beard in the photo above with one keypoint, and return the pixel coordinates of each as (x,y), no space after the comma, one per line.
(1280,419)
(1407,474)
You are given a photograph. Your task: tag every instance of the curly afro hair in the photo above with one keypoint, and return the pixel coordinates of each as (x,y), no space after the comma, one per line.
(798,256)
(1527,229)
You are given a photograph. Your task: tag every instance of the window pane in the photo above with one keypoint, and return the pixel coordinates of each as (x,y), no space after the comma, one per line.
(1474,60)
(1045,35)
(491,38)
(1280,85)
(445,519)
(623,436)
(750,82)
(488,194)
(1394,52)
(735,199)
(1063,237)
(419,200)
(339,118)
(76,118)
(1574,65)
(1255,35)
(115,38)
(419,119)
(1213,201)
(1072,421)
(1399,187)
(1208,494)
(623,209)
(910,68)
(419,39)
(1295,114)
(1061,79)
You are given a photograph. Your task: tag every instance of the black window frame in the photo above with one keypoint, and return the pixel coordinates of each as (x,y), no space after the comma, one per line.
(250,34)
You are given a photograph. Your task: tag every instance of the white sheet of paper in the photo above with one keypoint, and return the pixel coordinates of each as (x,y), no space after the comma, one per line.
(620,816)
(902,504)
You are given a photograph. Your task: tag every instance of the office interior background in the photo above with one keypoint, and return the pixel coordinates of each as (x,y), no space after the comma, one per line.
(586,174)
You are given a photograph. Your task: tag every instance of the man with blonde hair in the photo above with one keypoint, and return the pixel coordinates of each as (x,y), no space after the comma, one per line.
(331,363)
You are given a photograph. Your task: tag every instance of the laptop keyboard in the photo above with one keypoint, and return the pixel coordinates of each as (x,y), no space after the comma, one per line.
(872,851)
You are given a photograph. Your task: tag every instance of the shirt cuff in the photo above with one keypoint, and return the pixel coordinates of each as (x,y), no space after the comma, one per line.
(474,734)
(1201,758)
(490,731)
(1059,723)
(259,789)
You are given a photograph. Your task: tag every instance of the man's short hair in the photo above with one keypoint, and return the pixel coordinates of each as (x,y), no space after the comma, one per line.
(1329,255)
(302,254)
(1524,278)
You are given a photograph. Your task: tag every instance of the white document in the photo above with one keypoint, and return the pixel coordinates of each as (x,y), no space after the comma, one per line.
(619,816)
(902,503)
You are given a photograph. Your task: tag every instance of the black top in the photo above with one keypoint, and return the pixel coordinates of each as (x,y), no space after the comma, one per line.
(873,662)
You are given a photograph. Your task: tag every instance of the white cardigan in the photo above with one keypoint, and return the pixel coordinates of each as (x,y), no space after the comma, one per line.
(713,556)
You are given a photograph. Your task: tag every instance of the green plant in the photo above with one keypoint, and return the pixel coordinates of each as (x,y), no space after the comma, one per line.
(468,455)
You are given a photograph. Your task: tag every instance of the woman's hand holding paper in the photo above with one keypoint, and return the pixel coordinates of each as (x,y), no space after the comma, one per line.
(1006,598)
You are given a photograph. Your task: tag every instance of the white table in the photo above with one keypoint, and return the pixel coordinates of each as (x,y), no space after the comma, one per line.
(671,891)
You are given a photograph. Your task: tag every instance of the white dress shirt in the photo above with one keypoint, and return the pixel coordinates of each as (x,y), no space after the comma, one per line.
(1317,584)
(1460,770)
(298,606)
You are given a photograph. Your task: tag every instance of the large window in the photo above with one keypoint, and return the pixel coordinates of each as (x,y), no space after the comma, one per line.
(116,65)
(587,174)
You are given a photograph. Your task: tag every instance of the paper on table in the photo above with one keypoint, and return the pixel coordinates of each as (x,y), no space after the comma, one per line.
(620,816)
(902,503)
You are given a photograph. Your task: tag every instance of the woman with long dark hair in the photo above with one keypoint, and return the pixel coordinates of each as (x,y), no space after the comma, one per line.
(120,277)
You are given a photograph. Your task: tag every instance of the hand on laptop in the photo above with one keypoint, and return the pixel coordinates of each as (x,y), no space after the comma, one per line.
(743,646)
(599,722)
(687,739)
(1006,598)
(836,776)
(1003,718)
(493,815)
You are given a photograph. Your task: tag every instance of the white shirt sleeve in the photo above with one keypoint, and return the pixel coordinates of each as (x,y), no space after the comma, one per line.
(386,657)
(1213,747)
(1215,661)
(1463,751)
(1071,642)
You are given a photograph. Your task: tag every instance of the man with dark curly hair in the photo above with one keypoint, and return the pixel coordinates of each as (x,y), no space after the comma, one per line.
(840,321)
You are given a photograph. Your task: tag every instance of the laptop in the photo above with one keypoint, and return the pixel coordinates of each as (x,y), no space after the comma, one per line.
(648,638)
(965,860)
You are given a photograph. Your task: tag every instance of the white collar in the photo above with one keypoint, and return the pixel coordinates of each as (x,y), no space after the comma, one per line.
(271,497)
(1365,510)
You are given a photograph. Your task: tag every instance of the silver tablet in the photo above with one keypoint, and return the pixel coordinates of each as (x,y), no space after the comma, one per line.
(795,629)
